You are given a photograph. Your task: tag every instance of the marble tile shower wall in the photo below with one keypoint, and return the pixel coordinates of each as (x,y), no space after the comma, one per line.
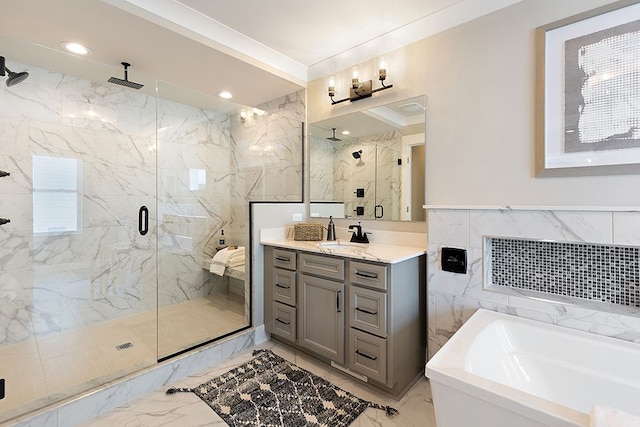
(453,298)
(266,158)
(194,197)
(51,282)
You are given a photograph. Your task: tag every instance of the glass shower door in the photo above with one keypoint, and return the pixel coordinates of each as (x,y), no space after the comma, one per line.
(195,305)
(77,278)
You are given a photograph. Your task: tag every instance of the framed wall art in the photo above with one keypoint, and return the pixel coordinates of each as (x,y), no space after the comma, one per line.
(588,93)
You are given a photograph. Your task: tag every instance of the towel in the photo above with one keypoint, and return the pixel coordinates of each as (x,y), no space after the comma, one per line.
(227,257)
(602,416)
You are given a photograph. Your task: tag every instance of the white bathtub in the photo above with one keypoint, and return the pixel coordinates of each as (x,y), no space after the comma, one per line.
(505,371)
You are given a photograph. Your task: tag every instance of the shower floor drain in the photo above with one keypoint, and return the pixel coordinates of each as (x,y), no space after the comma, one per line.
(124,346)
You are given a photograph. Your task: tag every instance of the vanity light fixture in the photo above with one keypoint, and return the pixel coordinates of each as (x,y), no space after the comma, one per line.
(359,90)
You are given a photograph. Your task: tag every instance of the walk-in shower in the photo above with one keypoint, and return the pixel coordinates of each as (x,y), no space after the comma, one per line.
(86,297)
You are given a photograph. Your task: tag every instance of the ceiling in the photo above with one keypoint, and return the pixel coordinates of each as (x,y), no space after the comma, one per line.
(259,50)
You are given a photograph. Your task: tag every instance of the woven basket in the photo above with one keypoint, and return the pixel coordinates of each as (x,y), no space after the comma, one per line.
(307,232)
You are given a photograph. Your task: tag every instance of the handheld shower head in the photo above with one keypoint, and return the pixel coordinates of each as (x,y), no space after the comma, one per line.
(357,154)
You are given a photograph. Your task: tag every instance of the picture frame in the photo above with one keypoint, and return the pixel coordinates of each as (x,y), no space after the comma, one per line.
(588,93)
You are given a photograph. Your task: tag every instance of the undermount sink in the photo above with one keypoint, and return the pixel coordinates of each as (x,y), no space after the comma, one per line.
(338,245)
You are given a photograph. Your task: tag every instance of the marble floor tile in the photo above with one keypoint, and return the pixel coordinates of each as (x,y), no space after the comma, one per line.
(57,366)
(186,409)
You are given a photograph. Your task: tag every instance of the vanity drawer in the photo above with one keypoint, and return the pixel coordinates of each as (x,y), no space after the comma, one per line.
(372,275)
(324,266)
(368,310)
(368,355)
(284,321)
(284,259)
(284,286)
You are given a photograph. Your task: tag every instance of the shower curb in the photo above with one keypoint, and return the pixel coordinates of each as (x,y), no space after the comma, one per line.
(84,407)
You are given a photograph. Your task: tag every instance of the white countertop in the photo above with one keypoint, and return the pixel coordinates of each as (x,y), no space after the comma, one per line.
(378,252)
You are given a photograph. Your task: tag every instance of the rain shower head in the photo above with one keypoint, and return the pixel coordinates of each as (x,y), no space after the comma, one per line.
(333,138)
(126,81)
(357,154)
(14,78)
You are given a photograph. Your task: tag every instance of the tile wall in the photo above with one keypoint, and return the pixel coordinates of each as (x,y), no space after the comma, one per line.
(453,298)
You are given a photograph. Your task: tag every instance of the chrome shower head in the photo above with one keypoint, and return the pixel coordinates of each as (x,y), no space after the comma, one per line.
(357,154)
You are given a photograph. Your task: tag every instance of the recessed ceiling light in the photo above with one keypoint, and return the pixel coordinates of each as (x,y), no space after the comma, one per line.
(346,132)
(76,48)
(225,95)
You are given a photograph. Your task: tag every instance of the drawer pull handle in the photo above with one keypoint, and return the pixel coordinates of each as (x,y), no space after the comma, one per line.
(366,356)
(366,276)
(283,259)
(364,310)
(282,321)
(4,221)
(278,285)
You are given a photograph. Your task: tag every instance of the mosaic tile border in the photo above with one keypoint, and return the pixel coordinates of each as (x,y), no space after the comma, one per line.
(594,272)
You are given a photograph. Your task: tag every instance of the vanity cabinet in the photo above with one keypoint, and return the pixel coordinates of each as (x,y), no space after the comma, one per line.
(367,318)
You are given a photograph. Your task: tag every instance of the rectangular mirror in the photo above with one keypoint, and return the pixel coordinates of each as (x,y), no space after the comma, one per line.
(370,164)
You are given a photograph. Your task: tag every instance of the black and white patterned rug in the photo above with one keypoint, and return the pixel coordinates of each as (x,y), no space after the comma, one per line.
(270,391)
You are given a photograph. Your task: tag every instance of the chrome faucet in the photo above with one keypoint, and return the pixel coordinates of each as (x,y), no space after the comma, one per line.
(358,236)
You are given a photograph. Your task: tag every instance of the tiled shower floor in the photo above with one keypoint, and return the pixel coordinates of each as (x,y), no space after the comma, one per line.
(186,409)
(48,369)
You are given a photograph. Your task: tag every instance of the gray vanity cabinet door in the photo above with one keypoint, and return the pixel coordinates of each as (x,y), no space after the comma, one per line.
(321,316)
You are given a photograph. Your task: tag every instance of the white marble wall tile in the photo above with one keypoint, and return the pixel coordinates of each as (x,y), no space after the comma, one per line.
(15,323)
(123,180)
(469,285)
(569,226)
(449,228)
(19,209)
(453,298)
(15,249)
(52,139)
(14,136)
(136,151)
(97,402)
(20,181)
(46,419)
(152,379)
(626,228)
(451,312)
(28,101)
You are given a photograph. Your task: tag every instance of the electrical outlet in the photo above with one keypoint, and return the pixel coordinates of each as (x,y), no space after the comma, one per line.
(297,217)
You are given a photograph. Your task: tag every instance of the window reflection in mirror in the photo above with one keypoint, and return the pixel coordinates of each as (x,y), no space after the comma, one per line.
(372,165)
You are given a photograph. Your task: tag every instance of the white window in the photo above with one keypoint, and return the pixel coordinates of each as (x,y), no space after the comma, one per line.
(56,192)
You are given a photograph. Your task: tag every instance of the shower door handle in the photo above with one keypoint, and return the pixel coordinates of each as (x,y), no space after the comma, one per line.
(143,220)
(381,212)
